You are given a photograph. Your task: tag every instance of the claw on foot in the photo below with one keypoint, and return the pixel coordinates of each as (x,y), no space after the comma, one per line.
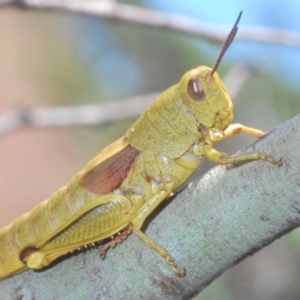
(271,159)
(115,240)
(173,265)
(279,162)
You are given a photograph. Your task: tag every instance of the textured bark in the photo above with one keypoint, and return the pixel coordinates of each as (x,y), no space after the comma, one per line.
(210,226)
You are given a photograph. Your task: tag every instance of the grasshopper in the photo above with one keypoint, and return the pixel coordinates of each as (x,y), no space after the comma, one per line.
(123,184)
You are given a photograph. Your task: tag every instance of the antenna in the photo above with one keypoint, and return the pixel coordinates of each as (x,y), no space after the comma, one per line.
(226,44)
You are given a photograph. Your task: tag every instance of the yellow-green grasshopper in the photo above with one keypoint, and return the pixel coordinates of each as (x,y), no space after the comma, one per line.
(124,183)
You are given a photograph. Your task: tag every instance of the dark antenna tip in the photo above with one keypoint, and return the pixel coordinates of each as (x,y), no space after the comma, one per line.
(226,44)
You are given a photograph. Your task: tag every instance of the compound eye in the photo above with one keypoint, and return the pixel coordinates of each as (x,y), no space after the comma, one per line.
(195,89)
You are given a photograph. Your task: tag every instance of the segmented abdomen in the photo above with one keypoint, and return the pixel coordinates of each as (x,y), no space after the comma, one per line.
(39,224)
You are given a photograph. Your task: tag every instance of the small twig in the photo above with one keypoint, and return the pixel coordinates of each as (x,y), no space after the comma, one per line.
(98,114)
(75,115)
(138,15)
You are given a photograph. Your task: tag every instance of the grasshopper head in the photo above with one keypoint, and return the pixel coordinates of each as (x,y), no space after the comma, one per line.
(204,94)
(206,98)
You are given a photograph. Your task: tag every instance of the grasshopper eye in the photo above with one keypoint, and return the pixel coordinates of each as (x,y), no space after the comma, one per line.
(195,89)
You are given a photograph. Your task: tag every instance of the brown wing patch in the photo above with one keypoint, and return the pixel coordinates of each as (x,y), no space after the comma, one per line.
(106,176)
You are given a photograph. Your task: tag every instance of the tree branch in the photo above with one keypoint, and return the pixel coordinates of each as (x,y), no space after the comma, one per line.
(113,10)
(210,226)
(99,114)
(63,116)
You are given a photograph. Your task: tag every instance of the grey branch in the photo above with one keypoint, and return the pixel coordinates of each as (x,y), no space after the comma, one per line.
(209,227)
(109,9)
(98,114)
(75,115)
